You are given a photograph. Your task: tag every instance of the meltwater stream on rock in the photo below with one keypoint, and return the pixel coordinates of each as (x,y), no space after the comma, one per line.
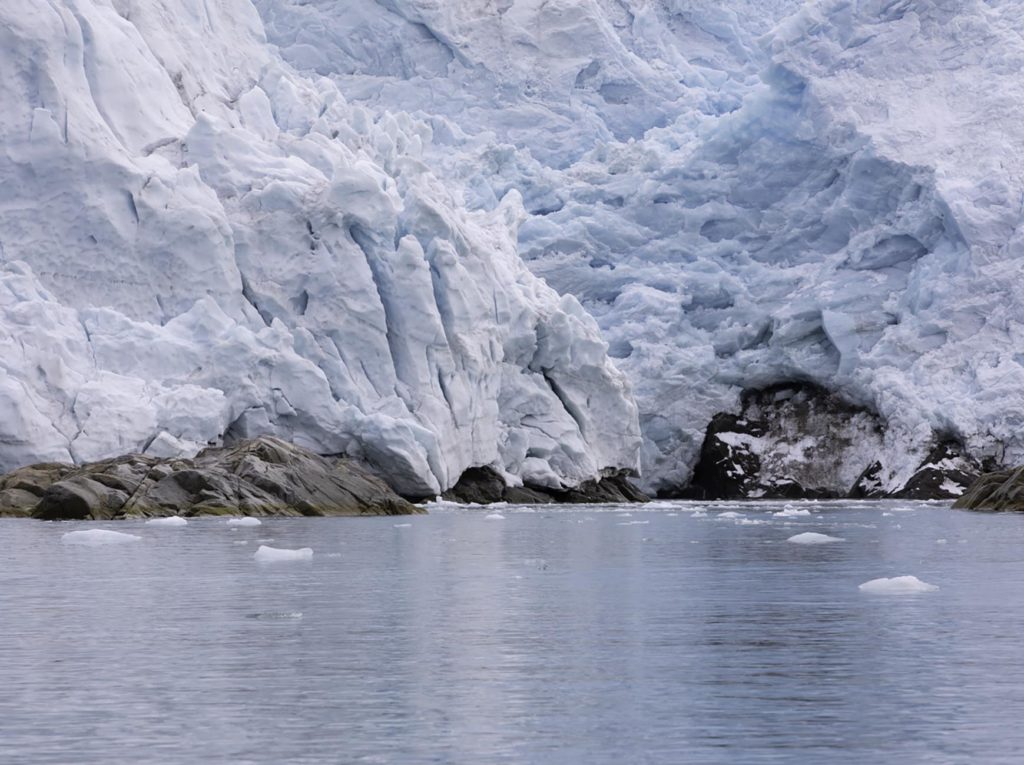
(665,633)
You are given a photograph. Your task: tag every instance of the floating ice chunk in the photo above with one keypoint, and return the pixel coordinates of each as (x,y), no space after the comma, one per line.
(97,537)
(941,541)
(495,517)
(401,525)
(174,520)
(729,514)
(813,538)
(792,512)
(240,542)
(245,521)
(897,585)
(276,555)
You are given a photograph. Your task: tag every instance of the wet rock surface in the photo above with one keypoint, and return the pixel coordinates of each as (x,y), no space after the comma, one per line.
(262,477)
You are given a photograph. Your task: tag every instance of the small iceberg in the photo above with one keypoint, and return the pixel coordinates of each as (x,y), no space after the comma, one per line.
(277,555)
(730,514)
(97,537)
(897,585)
(245,521)
(173,521)
(792,512)
(813,538)
(494,517)
(401,525)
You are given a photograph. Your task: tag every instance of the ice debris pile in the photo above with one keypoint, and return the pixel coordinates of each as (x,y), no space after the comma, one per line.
(200,244)
(744,194)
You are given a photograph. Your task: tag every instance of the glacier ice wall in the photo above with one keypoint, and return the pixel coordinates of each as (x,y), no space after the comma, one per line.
(742,193)
(198,243)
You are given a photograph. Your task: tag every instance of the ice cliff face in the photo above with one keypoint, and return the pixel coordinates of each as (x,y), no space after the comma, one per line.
(743,194)
(199,243)
(319,238)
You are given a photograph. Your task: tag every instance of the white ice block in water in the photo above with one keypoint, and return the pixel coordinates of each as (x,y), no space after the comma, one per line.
(792,512)
(495,517)
(247,521)
(277,555)
(897,585)
(174,521)
(97,537)
(813,538)
(729,514)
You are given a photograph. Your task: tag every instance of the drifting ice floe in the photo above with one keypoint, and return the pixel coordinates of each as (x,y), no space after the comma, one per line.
(97,537)
(495,517)
(174,520)
(276,555)
(792,512)
(813,538)
(247,521)
(897,585)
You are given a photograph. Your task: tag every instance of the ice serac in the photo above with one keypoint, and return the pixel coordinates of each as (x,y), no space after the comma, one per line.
(743,194)
(201,244)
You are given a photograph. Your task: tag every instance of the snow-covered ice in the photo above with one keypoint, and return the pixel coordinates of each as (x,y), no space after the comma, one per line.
(494,517)
(171,521)
(244,521)
(813,538)
(97,537)
(897,585)
(277,555)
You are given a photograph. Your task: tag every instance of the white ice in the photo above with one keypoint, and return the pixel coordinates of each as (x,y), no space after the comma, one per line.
(813,538)
(244,521)
(792,512)
(97,537)
(170,521)
(277,555)
(897,585)
(494,517)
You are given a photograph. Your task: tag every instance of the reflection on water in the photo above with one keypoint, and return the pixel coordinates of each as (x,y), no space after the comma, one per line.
(568,635)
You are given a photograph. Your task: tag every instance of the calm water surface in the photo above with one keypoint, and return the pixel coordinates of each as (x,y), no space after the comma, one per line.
(583,635)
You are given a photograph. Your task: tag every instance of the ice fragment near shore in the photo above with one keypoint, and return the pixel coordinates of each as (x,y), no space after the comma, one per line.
(172,521)
(246,521)
(97,537)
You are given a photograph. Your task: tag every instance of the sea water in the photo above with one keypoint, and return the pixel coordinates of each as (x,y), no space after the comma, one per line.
(665,633)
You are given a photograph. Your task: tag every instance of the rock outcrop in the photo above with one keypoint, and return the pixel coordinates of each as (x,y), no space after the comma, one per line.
(1001,491)
(263,476)
(800,441)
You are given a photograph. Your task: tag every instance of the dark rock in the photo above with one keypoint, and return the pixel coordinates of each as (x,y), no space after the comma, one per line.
(484,485)
(946,473)
(479,485)
(610,489)
(1001,491)
(265,476)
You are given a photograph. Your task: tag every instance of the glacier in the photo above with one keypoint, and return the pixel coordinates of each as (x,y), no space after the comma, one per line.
(743,194)
(199,243)
(311,217)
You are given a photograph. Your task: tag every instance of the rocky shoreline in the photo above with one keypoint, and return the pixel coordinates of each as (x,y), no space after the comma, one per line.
(1000,491)
(260,477)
